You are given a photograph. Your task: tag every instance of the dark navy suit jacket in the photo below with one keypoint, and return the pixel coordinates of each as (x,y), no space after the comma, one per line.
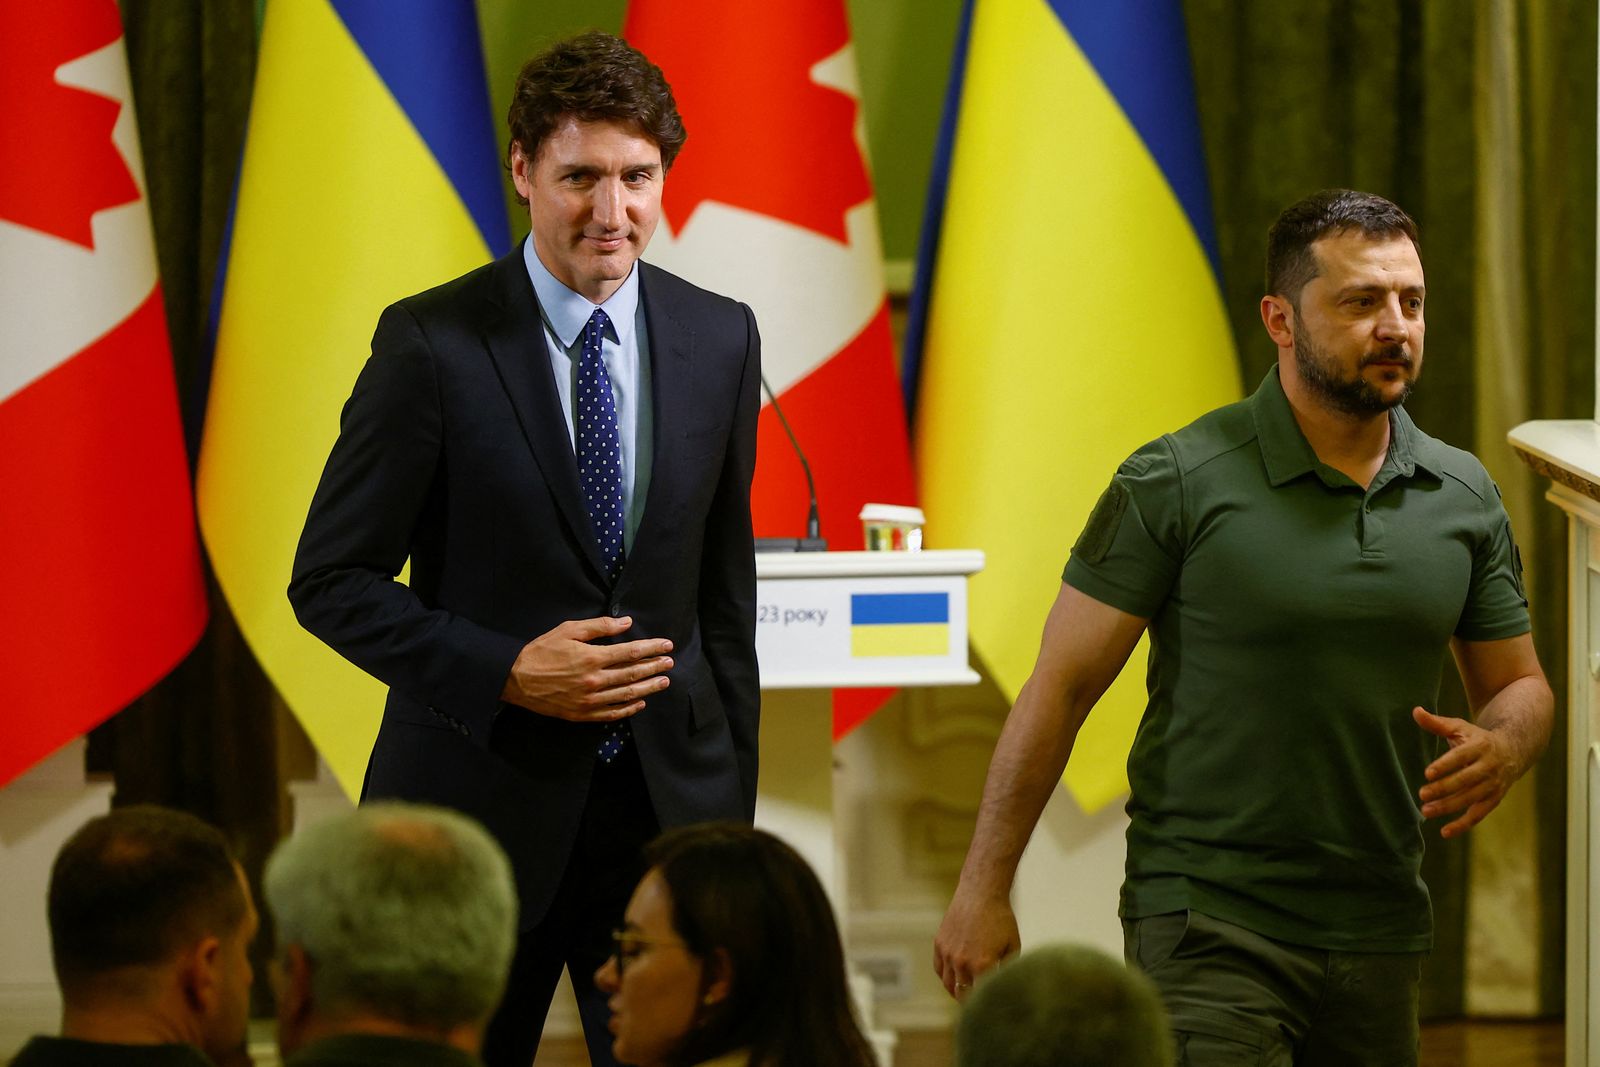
(453,452)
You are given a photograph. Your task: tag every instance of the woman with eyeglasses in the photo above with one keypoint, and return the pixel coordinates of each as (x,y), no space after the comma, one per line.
(729,957)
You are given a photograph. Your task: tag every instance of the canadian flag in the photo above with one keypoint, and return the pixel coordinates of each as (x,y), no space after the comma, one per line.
(100,584)
(771,203)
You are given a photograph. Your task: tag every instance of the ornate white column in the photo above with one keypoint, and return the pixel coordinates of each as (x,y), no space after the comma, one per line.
(1568,453)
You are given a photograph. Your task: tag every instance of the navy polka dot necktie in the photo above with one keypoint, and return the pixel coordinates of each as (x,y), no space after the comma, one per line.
(599,449)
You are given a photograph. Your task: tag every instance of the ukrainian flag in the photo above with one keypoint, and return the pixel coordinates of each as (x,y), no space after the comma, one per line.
(370,172)
(899,624)
(1068,309)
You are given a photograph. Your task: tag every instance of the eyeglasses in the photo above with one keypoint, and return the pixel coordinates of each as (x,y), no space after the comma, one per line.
(626,946)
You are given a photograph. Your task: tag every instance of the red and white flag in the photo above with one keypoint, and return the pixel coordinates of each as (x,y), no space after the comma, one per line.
(100,585)
(771,203)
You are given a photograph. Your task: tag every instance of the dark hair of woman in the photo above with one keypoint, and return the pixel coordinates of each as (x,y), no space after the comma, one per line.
(743,894)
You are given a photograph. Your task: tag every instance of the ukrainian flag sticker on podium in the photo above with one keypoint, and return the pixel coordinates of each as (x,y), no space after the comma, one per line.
(899,624)
(848,619)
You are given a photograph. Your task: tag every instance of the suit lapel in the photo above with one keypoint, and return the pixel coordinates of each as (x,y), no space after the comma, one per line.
(515,337)
(671,357)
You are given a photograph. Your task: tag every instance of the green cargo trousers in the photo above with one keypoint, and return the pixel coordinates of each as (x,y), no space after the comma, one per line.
(1236,997)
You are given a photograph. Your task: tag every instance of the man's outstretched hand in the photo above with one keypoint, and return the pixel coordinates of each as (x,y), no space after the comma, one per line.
(565,675)
(1471,777)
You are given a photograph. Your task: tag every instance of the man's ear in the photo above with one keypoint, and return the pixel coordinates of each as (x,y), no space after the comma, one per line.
(1277,315)
(291,990)
(719,972)
(200,974)
(521,168)
(294,998)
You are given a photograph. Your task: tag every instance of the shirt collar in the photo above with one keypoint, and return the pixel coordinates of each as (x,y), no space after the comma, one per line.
(1288,454)
(1410,448)
(566,312)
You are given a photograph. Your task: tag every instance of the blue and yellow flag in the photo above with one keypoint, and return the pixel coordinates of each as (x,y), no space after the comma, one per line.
(370,172)
(899,624)
(1068,310)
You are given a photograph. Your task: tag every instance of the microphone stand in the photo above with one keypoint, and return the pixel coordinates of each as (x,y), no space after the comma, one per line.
(813,540)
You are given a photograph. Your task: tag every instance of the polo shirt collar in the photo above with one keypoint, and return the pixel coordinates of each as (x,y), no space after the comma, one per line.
(1410,448)
(1288,455)
(567,312)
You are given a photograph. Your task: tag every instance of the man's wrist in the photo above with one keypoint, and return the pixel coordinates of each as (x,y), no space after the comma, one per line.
(981,883)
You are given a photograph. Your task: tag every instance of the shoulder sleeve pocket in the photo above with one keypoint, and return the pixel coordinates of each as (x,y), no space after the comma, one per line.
(1101,529)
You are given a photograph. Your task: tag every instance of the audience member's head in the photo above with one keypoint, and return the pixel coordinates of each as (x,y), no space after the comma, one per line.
(392,919)
(150,928)
(729,943)
(1063,1006)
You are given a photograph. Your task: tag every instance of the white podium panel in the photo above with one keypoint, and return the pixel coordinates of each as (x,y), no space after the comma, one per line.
(827,620)
(842,619)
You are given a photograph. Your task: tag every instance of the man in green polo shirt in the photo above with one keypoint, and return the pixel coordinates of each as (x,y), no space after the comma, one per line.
(1304,561)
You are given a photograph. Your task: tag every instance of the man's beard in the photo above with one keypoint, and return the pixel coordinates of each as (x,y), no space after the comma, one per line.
(1354,396)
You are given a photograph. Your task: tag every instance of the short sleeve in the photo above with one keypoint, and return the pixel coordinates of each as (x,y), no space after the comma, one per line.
(1129,552)
(1497,604)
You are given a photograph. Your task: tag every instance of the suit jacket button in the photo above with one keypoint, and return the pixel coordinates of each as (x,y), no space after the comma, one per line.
(615,609)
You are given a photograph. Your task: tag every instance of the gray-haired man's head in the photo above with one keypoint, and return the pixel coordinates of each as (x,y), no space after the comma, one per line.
(1064,1006)
(393,914)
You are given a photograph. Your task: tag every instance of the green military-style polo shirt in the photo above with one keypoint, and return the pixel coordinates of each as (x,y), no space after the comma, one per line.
(1295,621)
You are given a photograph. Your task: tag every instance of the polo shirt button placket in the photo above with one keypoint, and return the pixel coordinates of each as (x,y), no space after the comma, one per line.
(1371,530)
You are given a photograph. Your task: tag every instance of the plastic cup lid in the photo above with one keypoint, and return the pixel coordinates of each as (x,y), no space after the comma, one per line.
(896,513)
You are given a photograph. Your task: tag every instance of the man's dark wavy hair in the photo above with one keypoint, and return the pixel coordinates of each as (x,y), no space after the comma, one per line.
(1326,213)
(594,77)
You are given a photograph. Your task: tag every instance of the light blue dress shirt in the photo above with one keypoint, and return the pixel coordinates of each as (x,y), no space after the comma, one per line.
(625,348)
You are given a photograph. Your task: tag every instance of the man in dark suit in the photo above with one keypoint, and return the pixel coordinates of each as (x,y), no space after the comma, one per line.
(562,444)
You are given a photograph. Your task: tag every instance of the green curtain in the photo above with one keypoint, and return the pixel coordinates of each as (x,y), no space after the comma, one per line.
(1479,119)
(207,738)
(191,67)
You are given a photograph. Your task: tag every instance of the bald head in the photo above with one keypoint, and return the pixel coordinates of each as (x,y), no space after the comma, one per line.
(404,912)
(1064,1006)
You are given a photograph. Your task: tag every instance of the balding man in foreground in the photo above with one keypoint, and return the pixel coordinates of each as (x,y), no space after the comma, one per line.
(396,924)
(1064,1006)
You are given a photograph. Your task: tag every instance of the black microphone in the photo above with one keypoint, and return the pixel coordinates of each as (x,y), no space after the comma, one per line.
(812,541)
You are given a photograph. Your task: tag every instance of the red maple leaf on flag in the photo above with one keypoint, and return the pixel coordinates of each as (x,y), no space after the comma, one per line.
(763,135)
(61,165)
